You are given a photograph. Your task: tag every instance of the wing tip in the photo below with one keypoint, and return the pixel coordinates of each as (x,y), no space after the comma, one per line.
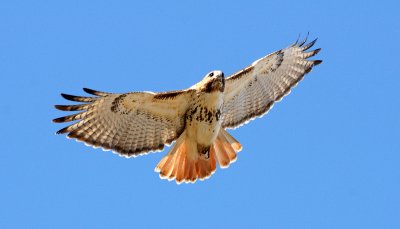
(94,92)
(71,107)
(68,97)
(75,98)
(62,131)
(303,44)
(59,120)
(316,51)
(317,62)
(89,91)
(305,40)
(63,107)
(309,45)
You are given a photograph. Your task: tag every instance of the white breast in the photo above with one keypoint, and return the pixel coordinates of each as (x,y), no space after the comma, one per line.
(203,121)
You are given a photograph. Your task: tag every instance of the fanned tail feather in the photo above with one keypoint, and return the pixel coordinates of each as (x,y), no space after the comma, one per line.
(184,163)
(226,148)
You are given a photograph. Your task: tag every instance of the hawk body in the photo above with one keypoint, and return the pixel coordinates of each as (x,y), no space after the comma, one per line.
(137,123)
(203,119)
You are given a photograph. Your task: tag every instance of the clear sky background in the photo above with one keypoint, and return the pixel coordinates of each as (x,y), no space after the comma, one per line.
(327,156)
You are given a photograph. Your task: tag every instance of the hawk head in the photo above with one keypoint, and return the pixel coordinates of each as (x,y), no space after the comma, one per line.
(213,81)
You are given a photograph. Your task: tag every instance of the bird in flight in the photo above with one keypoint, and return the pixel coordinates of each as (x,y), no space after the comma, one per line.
(196,118)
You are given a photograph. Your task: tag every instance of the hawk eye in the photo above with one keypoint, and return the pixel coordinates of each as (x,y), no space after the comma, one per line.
(211,74)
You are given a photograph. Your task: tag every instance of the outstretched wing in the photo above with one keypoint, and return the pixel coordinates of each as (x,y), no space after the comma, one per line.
(252,91)
(130,124)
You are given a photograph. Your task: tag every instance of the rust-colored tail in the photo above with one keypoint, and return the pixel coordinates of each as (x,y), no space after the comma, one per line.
(184,163)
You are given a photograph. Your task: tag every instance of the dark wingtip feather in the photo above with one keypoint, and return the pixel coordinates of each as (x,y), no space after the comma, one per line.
(305,40)
(314,63)
(94,92)
(72,135)
(311,53)
(90,91)
(62,107)
(315,52)
(78,98)
(59,120)
(71,107)
(317,62)
(69,118)
(63,130)
(68,97)
(309,45)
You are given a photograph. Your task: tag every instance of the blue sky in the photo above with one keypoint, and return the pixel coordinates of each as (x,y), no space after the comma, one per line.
(327,156)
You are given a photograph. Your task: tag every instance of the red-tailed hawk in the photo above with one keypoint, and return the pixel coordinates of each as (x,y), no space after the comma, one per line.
(137,123)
